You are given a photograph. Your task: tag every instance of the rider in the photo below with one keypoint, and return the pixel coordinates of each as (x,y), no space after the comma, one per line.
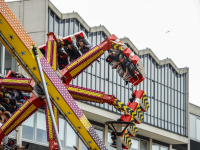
(62,57)
(111,57)
(72,52)
(84,46)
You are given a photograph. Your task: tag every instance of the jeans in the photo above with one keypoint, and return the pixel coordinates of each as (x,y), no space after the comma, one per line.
(17,106)
(26,95)
(21,100)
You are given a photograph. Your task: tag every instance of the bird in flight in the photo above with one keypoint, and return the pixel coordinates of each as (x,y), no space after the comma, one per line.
(167,32)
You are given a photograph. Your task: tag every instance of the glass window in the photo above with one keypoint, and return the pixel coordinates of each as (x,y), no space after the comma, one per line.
(71,27)
(155,147)
(110,142)
(50,23)
(56,26)
(163,75)
(156,72)
(62,130)
(28,128)
(163,148)
(67,27)
(71,138)
(158,147)
(76,26)
(90,38)
(81,28)
(41,128)
(13,133)
(143,145)
(98,38)
(100,133)
(94,41)
(10,63)
(135,144)
(1,57)
(198,129)
(61,28)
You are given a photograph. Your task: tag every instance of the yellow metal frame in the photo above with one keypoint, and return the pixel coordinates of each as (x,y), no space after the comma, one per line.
(22,43)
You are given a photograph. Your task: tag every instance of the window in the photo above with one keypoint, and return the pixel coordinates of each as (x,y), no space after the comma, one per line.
(76,26)
(100,133)
(67,27)
(50,23)
(10,63)
(71,27)
(28,128)
(198,130)
(110,142)
(1,57)
(98,37)
(143,145)
(62,130)
(41,128)
(159,147)
(61,32)
(135,144)
(155,147)
(56,26)
(34,129)
(194,127)
(71,138)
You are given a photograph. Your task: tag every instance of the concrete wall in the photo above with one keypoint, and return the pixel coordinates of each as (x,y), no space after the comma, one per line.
(33,15)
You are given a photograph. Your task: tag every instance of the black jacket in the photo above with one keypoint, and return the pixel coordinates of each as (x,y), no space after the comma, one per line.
(62,59)
(73,54)
(83,48)
(10,107)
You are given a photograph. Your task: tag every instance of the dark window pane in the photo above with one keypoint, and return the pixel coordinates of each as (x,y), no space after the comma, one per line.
(28,128)
(56,26)
(67,27)
(50,23)
(71,27)
(76,26)
(61,28)
(41,128)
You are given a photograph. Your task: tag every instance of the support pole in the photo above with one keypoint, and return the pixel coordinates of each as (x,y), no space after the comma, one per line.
(119,143)
(2,59)
(47,98)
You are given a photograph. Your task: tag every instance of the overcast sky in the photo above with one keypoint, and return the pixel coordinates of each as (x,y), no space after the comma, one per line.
(145,23)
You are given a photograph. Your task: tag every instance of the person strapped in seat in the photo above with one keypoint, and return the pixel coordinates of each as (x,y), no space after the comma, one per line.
(83,45)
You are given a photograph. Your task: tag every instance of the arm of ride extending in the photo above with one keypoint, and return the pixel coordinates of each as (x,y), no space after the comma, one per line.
(20,115)
(132,112)
(17,41)
(134,109)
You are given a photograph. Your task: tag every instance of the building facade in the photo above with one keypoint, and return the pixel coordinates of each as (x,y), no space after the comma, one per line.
(166,124)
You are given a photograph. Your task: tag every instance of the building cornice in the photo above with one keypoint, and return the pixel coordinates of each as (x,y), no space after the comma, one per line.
(125,40)
(194,109)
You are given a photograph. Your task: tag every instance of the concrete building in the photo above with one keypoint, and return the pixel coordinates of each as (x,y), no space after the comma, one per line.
(167,123)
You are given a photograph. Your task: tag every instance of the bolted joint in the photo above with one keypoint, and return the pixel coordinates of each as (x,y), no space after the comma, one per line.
(35,50)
